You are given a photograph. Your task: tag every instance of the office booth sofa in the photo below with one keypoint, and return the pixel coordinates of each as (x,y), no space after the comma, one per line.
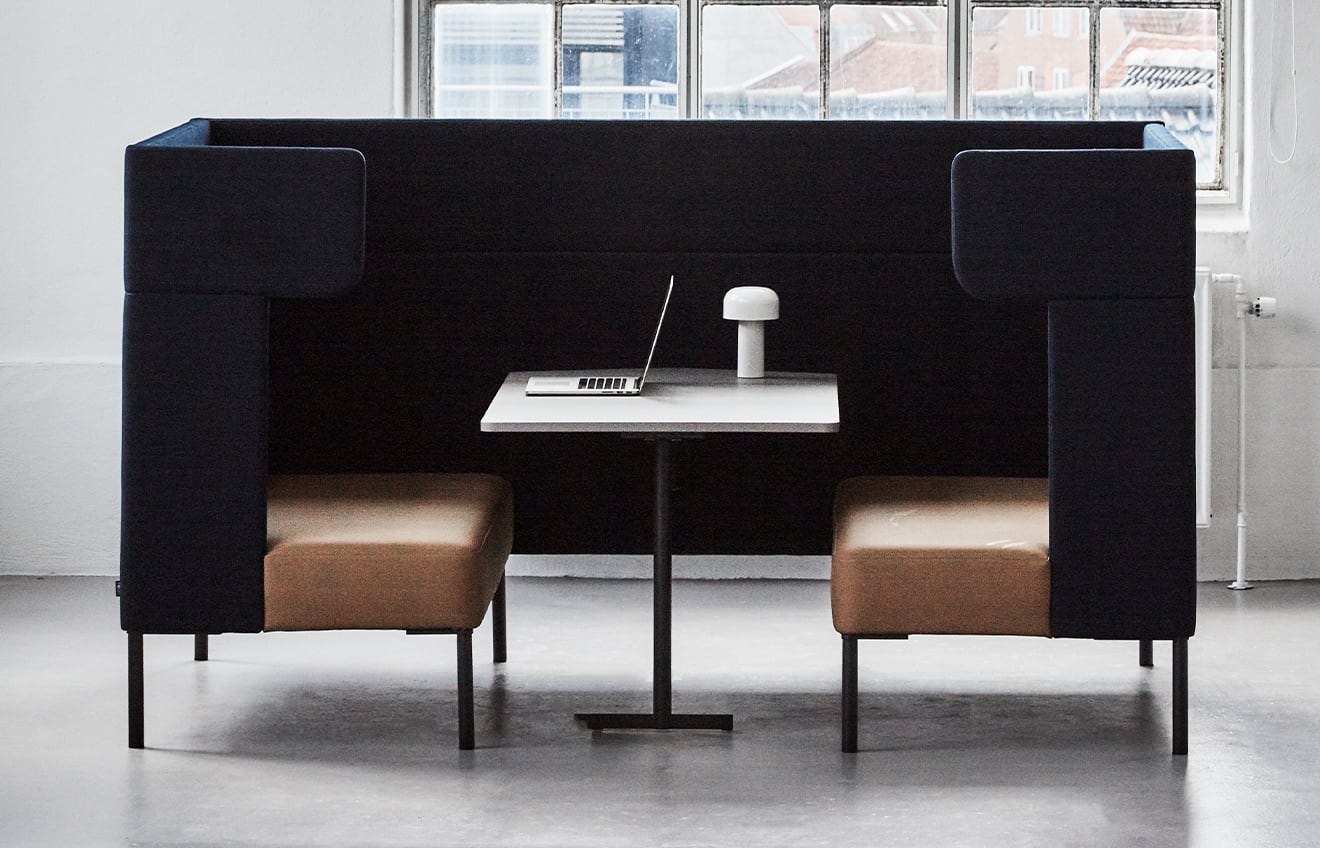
(1102,547)
(211,541)
(345,296)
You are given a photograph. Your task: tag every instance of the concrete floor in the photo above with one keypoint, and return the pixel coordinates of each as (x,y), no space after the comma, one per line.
(349,738)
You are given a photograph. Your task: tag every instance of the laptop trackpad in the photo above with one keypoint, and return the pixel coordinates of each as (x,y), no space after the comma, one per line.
(552,384)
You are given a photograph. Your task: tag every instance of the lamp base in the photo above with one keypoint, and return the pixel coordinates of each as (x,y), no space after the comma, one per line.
(751,349)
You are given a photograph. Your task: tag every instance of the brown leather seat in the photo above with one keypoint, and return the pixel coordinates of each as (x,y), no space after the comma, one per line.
(941,555)
(417,552)
(385,551)
(937,555)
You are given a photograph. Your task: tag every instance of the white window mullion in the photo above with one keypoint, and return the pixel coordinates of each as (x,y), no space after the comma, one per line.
(824,26)
(958,14)
(1093,79)
(1229,98)
(689,58)
(557,61)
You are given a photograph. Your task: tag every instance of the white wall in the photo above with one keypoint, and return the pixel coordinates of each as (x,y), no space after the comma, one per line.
(1278,255)
(81,79)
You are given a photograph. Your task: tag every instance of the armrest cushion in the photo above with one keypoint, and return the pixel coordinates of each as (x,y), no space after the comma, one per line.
(278,222)
(1074,224)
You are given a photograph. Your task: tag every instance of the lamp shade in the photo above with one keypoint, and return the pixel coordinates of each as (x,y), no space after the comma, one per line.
(751,303)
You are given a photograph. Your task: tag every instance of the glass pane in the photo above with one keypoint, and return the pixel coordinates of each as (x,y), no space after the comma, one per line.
(492,61)
(1163,65)
(1022,70)
(760,62)
(620,62)
(888,62)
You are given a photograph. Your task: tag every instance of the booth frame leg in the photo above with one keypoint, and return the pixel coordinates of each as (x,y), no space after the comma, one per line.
(1180,697)
(136,699)
(499,628)
(466,705)
(849,699)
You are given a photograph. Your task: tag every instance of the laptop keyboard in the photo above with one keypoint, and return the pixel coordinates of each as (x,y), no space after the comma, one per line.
(602,382)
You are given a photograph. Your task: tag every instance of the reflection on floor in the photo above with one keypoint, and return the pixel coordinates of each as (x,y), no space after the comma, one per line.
(349,738)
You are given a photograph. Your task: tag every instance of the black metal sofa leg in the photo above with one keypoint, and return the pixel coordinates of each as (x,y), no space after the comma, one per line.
(849,740)
(501,643)
(135,694)
(849,699)
(466,709)
(1180,697)
(201,647)
(136,721)
(1146,653)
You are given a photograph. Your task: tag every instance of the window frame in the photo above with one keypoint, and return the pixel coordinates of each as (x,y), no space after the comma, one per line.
(413,45)
(1229,102)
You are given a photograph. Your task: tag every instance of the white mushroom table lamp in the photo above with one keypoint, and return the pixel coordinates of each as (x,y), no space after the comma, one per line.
(751,307)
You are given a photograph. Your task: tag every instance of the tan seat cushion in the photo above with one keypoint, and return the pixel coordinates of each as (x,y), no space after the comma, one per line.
(385,551)
(934,555)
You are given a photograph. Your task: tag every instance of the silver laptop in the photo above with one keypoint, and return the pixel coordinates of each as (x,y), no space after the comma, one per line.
(607,384)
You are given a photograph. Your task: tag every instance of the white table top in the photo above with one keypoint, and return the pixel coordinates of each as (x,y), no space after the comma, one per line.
(675,400)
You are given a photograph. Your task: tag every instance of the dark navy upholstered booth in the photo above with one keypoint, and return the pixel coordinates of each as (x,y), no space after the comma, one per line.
(1117,275)
(1105,546)
(316,296)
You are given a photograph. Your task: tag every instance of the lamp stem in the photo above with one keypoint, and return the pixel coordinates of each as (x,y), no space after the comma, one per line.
(751,349)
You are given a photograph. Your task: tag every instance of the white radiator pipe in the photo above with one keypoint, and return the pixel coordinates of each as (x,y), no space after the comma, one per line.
(1244,307)
(1240,297)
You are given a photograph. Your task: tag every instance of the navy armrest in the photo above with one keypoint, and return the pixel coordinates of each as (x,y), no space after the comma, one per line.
(193,479)
(210,234)
(1063,224)
(1107,239)
(279,222)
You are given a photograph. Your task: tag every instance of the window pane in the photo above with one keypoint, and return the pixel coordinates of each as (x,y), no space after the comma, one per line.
(888,62)
(492,61)
(620,61)
(760,62)
(1021,72)
(1162,65)
(1154,60)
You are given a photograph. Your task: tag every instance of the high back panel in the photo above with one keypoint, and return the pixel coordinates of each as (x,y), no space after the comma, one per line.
(931,380)
(499,246)
(690,187)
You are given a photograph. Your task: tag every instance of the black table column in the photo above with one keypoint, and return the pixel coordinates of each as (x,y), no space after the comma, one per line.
(662,716)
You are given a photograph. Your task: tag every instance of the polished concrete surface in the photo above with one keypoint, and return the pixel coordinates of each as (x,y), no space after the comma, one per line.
(349,738)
